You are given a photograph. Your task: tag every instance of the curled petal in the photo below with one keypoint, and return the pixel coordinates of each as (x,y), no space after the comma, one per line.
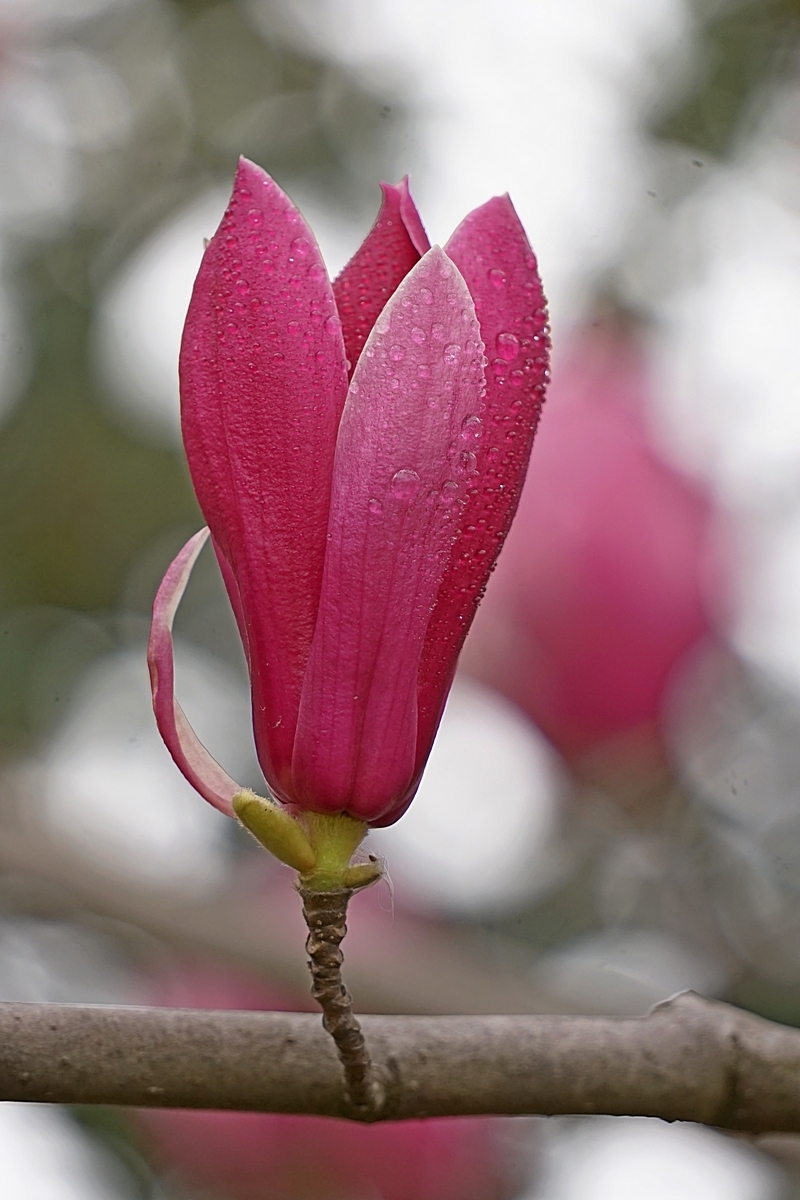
(194,761)
(493,254)
(391,248)
(400,478)
(263,383)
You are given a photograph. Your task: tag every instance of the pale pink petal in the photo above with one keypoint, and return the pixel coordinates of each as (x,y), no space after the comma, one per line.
(381,262)
(194,761)
(263,382)
(493,254)
(400,477)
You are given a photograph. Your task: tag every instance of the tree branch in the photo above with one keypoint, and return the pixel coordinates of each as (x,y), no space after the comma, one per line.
(690,1059)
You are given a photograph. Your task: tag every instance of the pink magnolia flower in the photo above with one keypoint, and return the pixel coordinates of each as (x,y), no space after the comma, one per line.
(604,583)
(355,525)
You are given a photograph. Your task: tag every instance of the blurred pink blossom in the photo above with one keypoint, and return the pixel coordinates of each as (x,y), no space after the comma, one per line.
(603,585)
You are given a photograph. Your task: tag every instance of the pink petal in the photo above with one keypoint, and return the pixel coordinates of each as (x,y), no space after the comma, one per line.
(389,251)
(263,383)
(412,219)
(494,256)
(399,482)
(193,760)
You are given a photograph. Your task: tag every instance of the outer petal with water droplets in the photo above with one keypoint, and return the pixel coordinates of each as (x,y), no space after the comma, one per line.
(391,248)
(493,254)
(203,772)
(399,481)
(263,382)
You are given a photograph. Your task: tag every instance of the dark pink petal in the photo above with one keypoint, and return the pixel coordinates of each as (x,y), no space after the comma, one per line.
(492,252)
(203,772)
(401,472)
(389,251)
(412,219)
(263,382)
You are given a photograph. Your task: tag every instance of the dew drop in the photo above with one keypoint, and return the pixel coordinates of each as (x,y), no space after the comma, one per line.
(405,484)
(277,357)
(467,461)
(293,327)
(516,378)
(395,385)
(507,346)
(230,240)
(255,216)
(300,247)
(423,371)
(316,272)
(437,332)
(426,295)
(332,325)
(449,492)
(471,429)
(497,278)
(397,353)
(375,506)
(418,335)
(242,287)
(451,352)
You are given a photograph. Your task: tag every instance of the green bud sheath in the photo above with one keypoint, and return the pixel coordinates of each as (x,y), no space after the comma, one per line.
(276,830)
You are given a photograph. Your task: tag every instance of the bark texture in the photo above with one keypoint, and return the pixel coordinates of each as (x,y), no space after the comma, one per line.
(690,1059)
(325,914)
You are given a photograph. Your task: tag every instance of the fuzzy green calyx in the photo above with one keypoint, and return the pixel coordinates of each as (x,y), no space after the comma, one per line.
(335,838)
(276,830)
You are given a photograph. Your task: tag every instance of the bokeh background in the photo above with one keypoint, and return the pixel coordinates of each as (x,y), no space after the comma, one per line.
(612,809)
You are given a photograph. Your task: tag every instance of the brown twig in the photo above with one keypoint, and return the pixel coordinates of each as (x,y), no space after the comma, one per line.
(325,914)
(690,1059)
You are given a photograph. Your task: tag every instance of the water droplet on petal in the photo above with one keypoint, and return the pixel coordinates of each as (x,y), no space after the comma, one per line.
(242,287)
(375,506)
(423,371)
(332,325)
(397,353)
(437,332)
(467,461)
(507,346)
(497,278)
(451,352)
(516,378)
(316,272)
(293,327)
(405,484)
(449,492)
(255,216)
(471,429)
(300,247)
(418,335)
(426,295)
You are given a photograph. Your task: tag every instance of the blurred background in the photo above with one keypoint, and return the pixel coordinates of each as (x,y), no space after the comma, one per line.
(628,708)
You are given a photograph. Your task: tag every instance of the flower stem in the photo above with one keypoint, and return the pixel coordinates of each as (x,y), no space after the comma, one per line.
(325,913)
